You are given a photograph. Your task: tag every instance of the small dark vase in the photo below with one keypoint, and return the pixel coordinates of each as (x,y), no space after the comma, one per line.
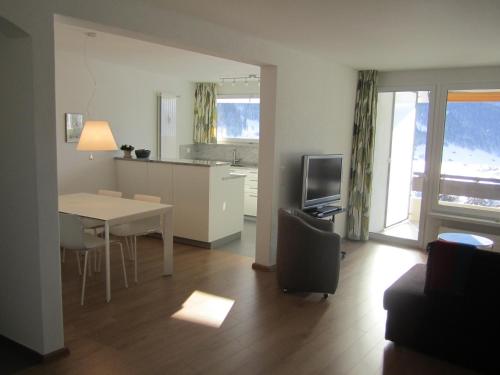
(127,154)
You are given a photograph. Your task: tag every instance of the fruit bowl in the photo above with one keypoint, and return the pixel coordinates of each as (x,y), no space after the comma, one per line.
(142,153)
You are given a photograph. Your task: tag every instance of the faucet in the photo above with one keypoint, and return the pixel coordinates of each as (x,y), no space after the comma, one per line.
(235,159)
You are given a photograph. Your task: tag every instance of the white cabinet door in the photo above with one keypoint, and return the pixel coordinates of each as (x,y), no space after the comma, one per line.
(132,178)
(251,186)
(160,181)
(250,204)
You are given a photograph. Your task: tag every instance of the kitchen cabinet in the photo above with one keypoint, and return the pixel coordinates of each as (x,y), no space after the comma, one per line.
(251,188)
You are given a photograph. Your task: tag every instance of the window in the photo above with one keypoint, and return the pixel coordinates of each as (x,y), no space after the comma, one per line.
(470,166)
(238,119)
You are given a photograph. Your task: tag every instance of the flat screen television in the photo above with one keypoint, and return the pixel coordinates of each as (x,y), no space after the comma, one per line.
(321,180)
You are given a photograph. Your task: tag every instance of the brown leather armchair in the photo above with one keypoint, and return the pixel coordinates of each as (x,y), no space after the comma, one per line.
(308,255)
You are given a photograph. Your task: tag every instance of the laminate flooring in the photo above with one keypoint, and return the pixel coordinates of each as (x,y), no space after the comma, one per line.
(246,244)
(265,331)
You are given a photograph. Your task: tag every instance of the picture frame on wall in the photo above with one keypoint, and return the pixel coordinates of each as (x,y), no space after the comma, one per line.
(74,127)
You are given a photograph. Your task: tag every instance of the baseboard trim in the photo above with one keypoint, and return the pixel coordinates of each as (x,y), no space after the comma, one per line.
(34,355)
(208,245)
(261,267)
(56,354)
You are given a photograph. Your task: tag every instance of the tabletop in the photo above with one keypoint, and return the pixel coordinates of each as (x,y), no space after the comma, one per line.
(467,238)
(107,208)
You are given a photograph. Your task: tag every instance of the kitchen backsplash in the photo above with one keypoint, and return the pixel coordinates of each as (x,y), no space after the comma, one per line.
(247,153)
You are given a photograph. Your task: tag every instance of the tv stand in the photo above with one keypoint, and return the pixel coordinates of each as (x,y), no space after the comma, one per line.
(325,212)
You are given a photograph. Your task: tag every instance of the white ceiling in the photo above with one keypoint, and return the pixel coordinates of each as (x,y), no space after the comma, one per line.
(378,34)
(155,58)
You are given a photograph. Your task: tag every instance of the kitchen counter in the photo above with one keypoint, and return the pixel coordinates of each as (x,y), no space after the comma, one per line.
(208,202)
(199,163)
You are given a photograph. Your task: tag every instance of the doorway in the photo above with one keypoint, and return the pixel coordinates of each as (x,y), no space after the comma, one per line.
(399,165)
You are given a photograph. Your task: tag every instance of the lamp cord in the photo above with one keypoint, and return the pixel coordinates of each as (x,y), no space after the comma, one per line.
(85,58)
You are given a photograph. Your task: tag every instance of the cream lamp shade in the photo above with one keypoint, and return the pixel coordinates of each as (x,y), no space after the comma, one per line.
(96,136)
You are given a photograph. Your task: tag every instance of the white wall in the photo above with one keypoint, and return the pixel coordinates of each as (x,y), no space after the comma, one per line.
(124,96)
(239,87)
(30,291)
(19,267)
(309,108)
(315,119)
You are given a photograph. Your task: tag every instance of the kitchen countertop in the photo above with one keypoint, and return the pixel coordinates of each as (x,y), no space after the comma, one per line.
(198,163)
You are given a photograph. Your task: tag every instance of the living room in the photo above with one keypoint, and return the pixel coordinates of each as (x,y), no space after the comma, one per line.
(307,104)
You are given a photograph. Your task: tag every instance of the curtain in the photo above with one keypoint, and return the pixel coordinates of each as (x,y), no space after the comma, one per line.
(205,113)
(360,186)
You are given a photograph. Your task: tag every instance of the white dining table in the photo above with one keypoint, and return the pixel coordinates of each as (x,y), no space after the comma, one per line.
(113,211)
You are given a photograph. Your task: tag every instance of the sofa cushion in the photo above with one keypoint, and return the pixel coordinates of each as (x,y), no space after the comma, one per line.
(448,268)
(408,291)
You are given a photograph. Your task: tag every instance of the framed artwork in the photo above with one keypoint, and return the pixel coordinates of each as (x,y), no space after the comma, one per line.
(74,127)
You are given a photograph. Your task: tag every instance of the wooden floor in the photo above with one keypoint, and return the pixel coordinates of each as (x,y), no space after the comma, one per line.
(265,332)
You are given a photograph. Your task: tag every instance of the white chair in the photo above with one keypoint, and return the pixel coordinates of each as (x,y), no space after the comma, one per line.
(73,237)
(97,226)
(94,224)
(130,231)
(110,193)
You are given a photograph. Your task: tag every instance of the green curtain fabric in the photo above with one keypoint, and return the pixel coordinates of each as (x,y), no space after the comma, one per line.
(360,186)
(205,113)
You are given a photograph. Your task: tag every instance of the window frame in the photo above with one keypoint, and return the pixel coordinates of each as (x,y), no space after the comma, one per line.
(437,152)
(238,140)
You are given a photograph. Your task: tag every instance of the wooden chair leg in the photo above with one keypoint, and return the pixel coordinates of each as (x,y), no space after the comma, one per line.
(84,277)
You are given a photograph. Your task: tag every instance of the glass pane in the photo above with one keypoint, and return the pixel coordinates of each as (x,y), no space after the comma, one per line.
(238,118)
(470,166)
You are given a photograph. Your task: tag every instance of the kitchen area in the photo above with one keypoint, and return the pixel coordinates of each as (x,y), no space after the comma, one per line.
(243,159)
(186,132)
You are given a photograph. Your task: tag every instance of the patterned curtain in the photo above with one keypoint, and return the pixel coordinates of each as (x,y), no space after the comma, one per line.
(358,210)
(205,113)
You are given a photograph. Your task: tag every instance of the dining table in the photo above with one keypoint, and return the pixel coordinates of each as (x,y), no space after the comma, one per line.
(114,211)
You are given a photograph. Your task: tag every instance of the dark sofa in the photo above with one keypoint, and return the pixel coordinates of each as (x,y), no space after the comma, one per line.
(449,307)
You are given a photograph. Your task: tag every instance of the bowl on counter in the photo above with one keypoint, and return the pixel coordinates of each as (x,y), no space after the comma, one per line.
(142,154)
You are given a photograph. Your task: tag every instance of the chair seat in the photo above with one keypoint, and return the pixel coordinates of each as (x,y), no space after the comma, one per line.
(93,242)
(91,223)
(136,228)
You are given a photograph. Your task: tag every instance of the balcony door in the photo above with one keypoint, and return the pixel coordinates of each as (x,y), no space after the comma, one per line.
(399,164)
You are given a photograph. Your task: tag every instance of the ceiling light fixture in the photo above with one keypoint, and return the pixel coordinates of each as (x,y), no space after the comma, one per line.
(244,79)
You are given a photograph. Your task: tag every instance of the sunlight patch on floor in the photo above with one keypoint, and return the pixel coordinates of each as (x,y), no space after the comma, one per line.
(204,308)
